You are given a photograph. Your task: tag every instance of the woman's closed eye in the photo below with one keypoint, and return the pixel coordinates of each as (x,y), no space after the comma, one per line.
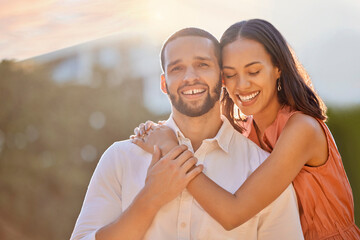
(254,73)
(228,76)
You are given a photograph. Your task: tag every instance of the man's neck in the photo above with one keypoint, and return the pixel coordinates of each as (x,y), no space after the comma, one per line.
(199,128)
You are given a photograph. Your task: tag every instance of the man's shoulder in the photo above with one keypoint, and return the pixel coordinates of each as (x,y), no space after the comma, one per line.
(124,146)
(121,151)
(241,141)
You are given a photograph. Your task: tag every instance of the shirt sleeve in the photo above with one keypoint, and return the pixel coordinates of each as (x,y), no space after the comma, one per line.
(280,220)
(102,203)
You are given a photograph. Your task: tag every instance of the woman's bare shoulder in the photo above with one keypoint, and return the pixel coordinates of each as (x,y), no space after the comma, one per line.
(307,131)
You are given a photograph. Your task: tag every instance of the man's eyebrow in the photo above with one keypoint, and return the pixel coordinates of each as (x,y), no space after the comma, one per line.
(203,58)
(173,63)
(247,65)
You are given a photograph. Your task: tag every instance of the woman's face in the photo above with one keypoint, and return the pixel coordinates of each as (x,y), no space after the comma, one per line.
(250,77)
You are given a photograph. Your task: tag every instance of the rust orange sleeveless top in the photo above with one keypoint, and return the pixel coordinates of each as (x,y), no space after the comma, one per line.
(324,194)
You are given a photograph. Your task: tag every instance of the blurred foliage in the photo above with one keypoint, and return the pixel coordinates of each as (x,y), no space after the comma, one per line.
(44,127)
(344,124)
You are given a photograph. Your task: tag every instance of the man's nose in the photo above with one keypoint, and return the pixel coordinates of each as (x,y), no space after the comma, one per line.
(190,75)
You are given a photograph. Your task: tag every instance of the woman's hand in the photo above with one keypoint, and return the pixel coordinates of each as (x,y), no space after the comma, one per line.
(150,134)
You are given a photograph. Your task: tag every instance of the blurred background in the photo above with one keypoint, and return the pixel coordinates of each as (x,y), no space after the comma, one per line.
(77,75)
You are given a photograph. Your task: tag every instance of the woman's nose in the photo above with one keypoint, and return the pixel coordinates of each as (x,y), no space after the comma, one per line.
(242,83)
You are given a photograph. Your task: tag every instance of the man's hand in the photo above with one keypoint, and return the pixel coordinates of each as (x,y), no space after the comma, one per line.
(167,177)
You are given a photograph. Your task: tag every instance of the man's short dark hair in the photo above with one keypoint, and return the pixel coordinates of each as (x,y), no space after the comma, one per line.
(195,32)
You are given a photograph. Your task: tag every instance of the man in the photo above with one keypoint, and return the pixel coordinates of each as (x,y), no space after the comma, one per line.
(128,200)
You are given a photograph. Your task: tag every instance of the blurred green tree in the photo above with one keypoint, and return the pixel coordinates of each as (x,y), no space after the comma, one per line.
(51,137)
(345,126)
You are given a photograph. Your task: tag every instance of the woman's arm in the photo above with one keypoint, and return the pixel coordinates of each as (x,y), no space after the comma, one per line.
(301,142)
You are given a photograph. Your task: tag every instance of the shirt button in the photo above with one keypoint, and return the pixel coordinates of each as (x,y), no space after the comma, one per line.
(183,225)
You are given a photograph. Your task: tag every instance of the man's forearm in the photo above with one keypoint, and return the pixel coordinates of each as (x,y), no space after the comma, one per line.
(133,222)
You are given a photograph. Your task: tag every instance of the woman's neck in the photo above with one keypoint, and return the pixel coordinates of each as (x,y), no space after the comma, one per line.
(265,118)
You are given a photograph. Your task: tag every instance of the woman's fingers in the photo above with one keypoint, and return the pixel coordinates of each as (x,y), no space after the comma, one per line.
(137,131)
(142,129)
(148,125)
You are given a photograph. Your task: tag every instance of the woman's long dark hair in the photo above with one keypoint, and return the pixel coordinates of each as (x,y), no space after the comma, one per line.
(297,91)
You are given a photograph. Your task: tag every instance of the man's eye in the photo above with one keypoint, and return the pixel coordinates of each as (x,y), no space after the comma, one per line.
(174,69)
(203,65)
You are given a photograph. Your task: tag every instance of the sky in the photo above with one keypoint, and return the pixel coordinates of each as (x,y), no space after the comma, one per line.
(324,33)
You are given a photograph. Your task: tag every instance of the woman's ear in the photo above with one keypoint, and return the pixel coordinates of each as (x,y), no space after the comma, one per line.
(163,83)
(278,72)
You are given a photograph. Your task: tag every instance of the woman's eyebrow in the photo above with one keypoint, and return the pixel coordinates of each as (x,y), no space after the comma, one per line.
(247,65)
(227,67)
(252,63)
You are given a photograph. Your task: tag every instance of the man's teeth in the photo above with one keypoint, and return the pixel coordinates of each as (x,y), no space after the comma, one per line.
(248,97)
(193,91)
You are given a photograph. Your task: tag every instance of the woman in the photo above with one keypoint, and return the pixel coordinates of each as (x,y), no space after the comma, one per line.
(265,81)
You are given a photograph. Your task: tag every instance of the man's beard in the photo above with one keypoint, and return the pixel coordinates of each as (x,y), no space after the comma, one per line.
(190,111)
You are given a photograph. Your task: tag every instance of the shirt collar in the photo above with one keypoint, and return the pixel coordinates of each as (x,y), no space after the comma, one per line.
(172,124)
(222,138)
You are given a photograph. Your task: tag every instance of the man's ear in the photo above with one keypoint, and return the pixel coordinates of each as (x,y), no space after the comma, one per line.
(222,79)
(163,84)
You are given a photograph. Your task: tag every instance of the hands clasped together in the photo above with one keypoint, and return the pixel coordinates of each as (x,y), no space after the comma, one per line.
(172,167)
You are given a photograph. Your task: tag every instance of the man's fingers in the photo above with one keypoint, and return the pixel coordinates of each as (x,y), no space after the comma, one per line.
(193,173)
(183,157)
(189,164)
(175,152)
(155,157)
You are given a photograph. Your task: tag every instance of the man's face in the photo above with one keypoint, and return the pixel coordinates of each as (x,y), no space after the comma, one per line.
(192,75)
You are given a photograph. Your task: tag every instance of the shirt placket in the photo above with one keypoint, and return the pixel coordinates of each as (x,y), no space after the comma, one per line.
(186,199)
(184,216)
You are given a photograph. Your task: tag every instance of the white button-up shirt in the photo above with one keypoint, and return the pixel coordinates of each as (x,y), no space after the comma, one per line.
(228,159)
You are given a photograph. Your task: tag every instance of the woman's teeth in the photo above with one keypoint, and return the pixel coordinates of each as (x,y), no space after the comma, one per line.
(248,97)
